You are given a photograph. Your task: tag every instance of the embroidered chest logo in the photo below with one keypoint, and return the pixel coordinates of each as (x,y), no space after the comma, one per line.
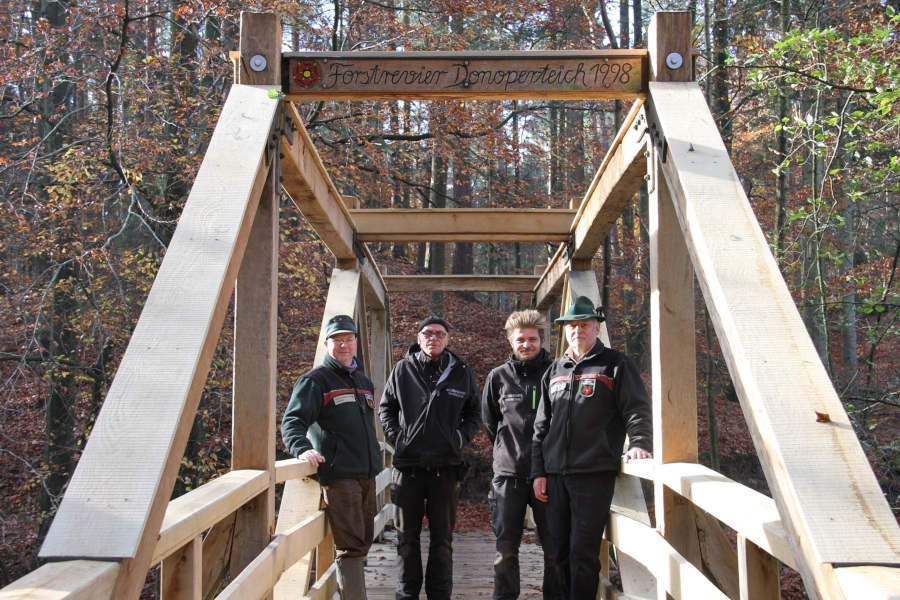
(370,399)
(587,387)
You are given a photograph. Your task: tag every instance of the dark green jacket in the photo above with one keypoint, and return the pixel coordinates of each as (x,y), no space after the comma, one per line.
(332,409)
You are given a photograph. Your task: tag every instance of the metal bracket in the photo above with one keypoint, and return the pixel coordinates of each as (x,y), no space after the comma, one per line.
(289,126)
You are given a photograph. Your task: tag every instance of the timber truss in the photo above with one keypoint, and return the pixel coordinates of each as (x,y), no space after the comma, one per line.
(827,517)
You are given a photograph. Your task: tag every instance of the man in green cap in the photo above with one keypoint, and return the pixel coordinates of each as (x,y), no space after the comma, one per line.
(330,423)
(590,398)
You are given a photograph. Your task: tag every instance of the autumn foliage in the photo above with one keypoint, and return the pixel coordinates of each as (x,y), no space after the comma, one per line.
(106,108)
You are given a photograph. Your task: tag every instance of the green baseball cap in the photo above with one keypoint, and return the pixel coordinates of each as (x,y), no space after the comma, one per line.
(339,324)
(582,309)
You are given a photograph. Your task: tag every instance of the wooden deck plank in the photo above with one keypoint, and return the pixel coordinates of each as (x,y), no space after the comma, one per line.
(473,566)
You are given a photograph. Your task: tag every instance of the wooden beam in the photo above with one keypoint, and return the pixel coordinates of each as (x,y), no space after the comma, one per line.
(256,316)
(743,509)
(190,515)
(460,283)
(758,577)
(307,183)
(827,495)
(68,580)
(665,37)
(561,74)
(181,575)
(300,500)
(116,500)
(463,224)
(260,576)
(620,175)
(341,300)
(678,577)
(325,587)
(618,179)
(259,60)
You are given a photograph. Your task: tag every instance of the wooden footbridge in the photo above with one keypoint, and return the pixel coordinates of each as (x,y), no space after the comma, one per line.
(827,518)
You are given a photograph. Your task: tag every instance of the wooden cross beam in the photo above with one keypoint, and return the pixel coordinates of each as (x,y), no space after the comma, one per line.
(462,225)
(561,74)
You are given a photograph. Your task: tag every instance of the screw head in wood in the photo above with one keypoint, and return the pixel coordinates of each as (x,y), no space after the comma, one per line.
(258,62)
(674,60)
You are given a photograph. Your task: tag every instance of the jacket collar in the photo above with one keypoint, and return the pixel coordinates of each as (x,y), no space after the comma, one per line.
(535,365)
(336,365)
(596,349)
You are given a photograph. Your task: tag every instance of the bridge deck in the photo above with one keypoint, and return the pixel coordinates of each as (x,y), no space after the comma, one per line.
(473,571)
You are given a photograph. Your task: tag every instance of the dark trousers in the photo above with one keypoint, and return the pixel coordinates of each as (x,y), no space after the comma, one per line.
(418,493)
(577,513)
(350,510)
(509,498)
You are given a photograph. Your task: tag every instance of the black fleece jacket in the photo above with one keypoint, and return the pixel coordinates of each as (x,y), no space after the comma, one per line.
(508,407)
(429,409)
(586,408)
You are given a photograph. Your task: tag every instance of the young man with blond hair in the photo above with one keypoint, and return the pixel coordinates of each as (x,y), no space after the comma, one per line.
(508,407)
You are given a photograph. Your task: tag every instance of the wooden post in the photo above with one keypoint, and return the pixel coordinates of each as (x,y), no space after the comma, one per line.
(181,577)
(672,312)
(758,572)
(255,315)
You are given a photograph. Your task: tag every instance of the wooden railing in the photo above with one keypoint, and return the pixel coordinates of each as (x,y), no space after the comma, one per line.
(827,518)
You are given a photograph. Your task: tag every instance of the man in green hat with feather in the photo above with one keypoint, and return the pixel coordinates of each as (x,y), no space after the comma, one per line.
(590,398)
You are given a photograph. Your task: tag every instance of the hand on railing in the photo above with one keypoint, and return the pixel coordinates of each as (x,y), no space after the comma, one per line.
(540,488)
(312,456)
(635,453)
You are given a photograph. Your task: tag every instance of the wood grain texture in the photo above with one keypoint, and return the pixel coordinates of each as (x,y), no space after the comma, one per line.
(758,577)
(462,224)
(473,566)
(826,493)
(260,35)
(460,283)
(308,184)
(260,576)
(300,499)
(181,575)
(588,74)
(618,179)
(342,299)
(745,510)
(678,577)
(117,497)
(67,580)
(190,515)
(670,32)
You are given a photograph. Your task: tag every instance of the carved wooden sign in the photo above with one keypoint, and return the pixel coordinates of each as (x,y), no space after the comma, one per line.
(497,75)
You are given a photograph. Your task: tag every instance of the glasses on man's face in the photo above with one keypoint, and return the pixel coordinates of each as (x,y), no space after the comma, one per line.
(427,334)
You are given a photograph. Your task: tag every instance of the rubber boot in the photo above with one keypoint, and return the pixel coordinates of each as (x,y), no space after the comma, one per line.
(351,577)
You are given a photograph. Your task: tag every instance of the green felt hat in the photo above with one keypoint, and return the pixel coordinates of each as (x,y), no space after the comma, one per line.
(339,324)
(582,309)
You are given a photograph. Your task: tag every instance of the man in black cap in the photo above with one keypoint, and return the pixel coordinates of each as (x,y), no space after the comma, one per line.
(429,411)
(330,422)
(508,407)
(590,398)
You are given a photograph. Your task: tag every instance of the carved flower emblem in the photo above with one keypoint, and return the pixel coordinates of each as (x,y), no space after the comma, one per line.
(306,73)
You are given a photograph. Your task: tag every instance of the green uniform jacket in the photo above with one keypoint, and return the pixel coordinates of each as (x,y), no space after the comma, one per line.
(332,409)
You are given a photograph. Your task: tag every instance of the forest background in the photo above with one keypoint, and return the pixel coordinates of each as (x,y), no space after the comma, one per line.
(106,108)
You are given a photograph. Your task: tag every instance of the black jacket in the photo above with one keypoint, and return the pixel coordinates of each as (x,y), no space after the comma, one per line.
(429,409)
(585,410)
(508,406)
(332,409)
